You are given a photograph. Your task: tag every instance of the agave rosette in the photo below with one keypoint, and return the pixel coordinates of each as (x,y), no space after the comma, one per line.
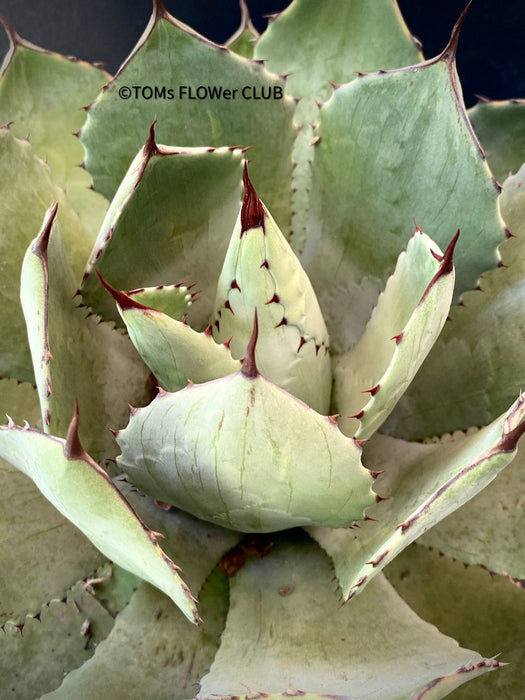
(274,388)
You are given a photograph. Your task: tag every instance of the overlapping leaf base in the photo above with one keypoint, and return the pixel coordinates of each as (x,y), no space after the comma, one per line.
(362,136)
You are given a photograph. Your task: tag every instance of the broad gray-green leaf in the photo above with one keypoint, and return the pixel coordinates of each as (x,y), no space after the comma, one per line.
(349,36)
(65,633)
(424,484)
(169,222)
(75,357)
(262,274)
(84,494)
(175,353)
(244,39)
(411,311)
(242,453)
(151,653)
(42,94)
(392,147)
(252,113)
(285,630)
(26,190)
(50,553)
(113,586)
(478,609)
(500,127)
(477,367)
(489,529)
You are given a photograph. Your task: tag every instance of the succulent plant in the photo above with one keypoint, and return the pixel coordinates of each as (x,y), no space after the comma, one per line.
(327,392)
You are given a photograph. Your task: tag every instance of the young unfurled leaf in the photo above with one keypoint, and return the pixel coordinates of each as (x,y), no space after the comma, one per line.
(175,353)
(402,330)
(261,272)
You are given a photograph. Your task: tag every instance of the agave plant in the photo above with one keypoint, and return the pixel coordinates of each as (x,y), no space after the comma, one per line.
(292,432)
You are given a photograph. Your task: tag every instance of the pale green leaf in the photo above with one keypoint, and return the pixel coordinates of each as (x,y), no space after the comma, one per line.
(42,94)
(169,222)
(261,273)
(404,325)
(477,367)
(480,610)
(26,191)
(242,453)
(151,651)
(175,353)
(500,127)
(285,630)
(349,36)
(489,529)
(84,494)
(172,55)
(195,545)
(424,484)
(50,553)
(171,299)
(75,357)
(64,633)
(394,147)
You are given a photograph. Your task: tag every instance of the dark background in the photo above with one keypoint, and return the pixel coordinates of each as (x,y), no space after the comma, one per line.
(490,58)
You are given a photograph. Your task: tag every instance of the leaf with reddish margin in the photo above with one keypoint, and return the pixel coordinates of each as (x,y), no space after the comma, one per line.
(392,147)
(286,636)
(171,54)
(423,484)
(169,222)
(83,493)
(75,357)
(403,328)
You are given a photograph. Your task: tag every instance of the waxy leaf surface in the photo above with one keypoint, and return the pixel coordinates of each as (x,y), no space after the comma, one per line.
(403,328)
(65,632)
(175,353)
(489,529)
(477,366)
(424,483)
(172,55)
(151,652)
(21,215)
(349,37)
(480,610)
(244,454)
(75,357)
(42,94)
(500,127)
(41,534)
(261,273)
(84,494)
(169,223)
(243,40)
(285,630)
(394,147)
